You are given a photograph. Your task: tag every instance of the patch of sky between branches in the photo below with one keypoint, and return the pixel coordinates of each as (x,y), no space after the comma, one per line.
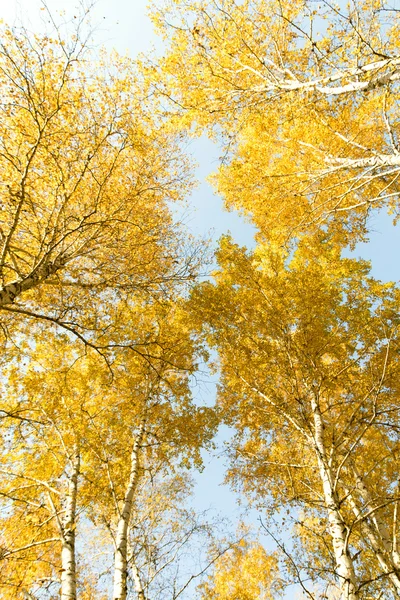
(382,248)
(204,215)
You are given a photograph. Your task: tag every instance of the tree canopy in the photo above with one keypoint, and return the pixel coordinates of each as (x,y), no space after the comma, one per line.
(308,351)
(106,320)
(304,96)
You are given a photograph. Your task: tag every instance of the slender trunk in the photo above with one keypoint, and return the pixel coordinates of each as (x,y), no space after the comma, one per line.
(380,526)
(138,582)
(344,564)
(135,573)
(394,549)
(376,161)
(68,572)
(12,290)
(121,538)
(377,546)
(382,72)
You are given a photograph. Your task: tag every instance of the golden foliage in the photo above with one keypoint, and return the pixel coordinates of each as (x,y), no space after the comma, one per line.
(246,572)
(305,97)
(309,356)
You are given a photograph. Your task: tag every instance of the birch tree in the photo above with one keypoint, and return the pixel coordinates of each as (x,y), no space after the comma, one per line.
(308,352)
(44,468)
(86,449)
(305,98)
(171,546)
(164,432)
(89,166)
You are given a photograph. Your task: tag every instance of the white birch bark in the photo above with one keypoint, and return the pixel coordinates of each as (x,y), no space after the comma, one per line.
(373,162)
(138,582)
(12,290)
(68,565)
(377,545)
(344,563)
(380,526)
(121,537)
(381,73)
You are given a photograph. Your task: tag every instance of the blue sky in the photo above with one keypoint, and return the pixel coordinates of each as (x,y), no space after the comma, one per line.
(123,24)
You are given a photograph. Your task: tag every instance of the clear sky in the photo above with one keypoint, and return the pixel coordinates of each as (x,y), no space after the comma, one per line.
(123,24)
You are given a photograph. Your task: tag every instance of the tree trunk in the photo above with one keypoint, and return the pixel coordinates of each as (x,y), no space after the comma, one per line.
(68,572)
(138,582)
(376,161)
(344,564)
(377,545)
(121,538)
(12,290)
(380,526)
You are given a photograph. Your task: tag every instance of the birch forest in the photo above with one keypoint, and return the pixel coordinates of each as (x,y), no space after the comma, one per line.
(112,311)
